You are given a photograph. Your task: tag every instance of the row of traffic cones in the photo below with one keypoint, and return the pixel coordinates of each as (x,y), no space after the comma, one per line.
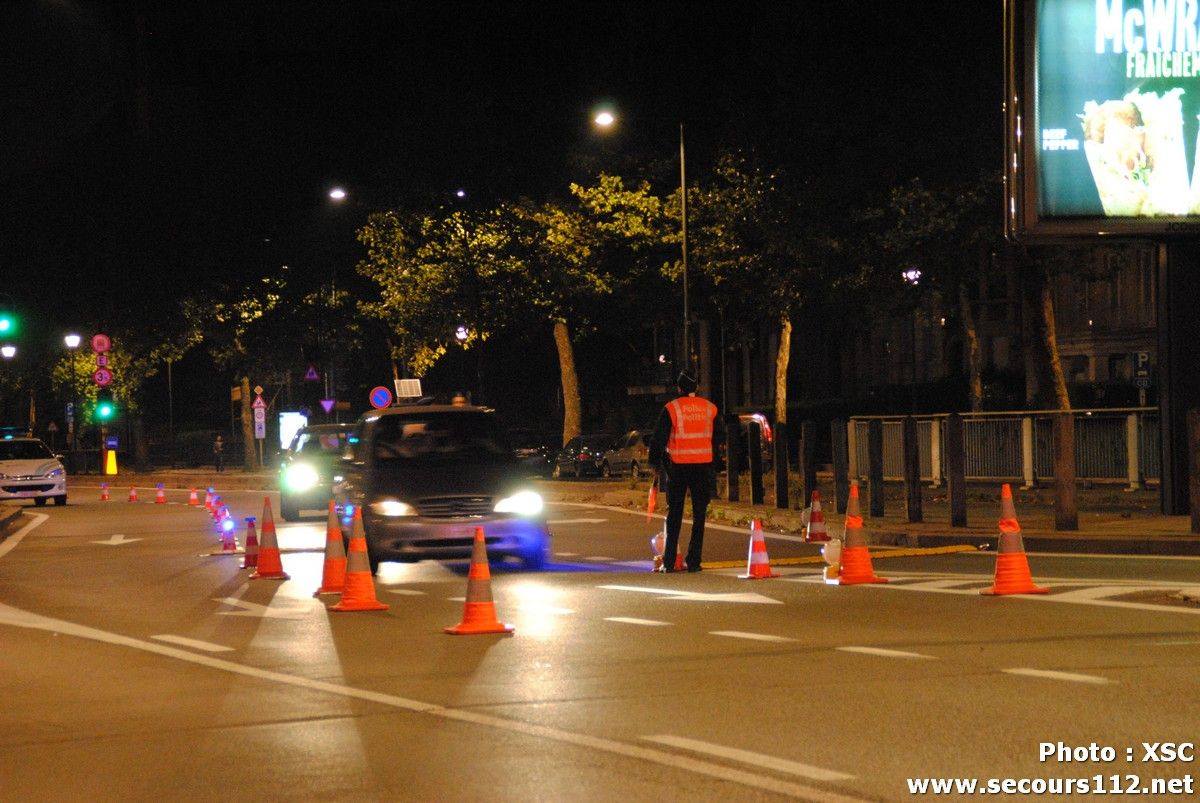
(160,495)
(850,560)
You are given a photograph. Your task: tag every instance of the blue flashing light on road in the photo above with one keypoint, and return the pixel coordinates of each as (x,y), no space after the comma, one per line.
(227,525)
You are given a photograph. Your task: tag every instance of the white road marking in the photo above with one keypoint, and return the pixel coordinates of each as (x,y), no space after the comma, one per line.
(748,757)
(1175,643)
(751,636)
(117,540)
(408,592)
(545,609)
(886,653)
(8,543)
(799,539)
(1051,675)
(600,558)
(577,521)
(566,554)
(631,621)
(264,611)
(1100,592)
(19,618)
(207,646)
(697,596)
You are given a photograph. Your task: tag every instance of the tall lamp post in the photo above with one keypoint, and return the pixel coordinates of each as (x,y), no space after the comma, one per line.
(72,342)
(607,119)
(912,277)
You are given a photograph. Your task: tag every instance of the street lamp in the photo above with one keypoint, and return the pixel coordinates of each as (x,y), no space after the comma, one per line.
(606,119)
(72,342)
(912,277)
(8,351)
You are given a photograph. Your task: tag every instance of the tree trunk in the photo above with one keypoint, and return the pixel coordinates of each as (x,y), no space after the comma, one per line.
(974,362)
(572,406)
(249,458)
(1056,370)
(781,368)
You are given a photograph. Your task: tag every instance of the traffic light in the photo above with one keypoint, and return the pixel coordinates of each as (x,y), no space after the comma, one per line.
(8,324)
(106,408)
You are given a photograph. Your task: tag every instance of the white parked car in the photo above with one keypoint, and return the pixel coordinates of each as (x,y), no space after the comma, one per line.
(29,470)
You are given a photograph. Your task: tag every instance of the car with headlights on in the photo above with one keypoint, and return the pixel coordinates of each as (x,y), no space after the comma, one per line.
(308,467)
(29,470)
(425,476)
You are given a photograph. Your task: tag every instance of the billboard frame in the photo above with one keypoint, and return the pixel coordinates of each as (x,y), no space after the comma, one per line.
(1021,219)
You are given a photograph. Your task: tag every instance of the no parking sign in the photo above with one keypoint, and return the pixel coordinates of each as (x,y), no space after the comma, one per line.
(380,397)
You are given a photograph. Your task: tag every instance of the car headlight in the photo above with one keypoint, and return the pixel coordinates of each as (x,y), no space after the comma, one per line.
(58,472)
(523,503)
(301,477)
(392,507)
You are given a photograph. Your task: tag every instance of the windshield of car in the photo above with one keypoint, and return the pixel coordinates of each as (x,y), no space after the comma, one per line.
(432,437)
(320,442)
(24,450)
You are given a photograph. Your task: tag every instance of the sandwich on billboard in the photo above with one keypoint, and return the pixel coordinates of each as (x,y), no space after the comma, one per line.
(1103,117)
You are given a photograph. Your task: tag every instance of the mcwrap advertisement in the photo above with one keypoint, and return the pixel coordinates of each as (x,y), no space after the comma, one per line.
(1117,119)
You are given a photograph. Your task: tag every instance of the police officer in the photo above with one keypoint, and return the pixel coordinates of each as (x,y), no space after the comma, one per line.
(681,448)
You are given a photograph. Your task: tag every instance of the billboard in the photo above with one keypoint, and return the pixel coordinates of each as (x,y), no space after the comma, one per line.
(1103,109)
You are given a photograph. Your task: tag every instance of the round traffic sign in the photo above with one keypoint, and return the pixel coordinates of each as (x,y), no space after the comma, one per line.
(101,343)
(102,377)
(380,397)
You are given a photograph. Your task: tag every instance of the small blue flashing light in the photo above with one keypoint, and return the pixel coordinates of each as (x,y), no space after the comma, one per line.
(227,525)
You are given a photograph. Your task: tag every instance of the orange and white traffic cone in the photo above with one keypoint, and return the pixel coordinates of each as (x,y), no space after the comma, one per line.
(160,497)
(270,566)
(856,566)
(816,520)
(359,591)
(758,565)
(333,575)
(216,508)
(479,611)
(250,558)
(1012,567)
(193,500)
(104,492)
(229,544)
(133,494)
(208,500)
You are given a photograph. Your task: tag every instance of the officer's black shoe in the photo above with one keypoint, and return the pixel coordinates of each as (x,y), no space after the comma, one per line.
(693,569)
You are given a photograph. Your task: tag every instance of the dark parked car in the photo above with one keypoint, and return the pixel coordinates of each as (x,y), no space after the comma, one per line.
(533,451)
(308,467)
(426,476)
(629,454)
(583,456)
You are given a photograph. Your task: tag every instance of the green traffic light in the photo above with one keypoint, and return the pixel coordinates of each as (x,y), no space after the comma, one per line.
(8,323)
(104,412)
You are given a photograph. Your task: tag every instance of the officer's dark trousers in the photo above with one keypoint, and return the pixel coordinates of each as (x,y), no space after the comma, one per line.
(683,479)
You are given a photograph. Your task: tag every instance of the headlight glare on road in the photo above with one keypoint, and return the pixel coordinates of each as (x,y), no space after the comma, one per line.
(392,507)
(523,503)
(301,477)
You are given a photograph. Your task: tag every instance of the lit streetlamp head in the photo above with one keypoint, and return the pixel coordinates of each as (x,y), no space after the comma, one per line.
(8,352)
(461,334)
(72,341)
(912,275)
(604,119)
(461,193)
(337,194)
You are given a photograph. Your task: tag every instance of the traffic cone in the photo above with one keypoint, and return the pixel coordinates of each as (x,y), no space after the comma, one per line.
(208,500)
(216,508)
(758,565)
(193,500)
(359,591)
(160,497)
(855,557)
(228,539)
(333,576)
(250,558)
(479,611)
(1012,567)
(104,492)
(816,520)
(269,566)
(658,543)
(132,494)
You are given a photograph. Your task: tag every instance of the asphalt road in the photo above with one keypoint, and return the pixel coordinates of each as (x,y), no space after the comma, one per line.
(137,666)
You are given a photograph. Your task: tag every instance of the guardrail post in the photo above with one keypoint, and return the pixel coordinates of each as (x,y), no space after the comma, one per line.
(1066,511)
(956,470)
(754,448)
(1133,460)
(1027,453)
(912,469)
(875,459)
(733,458)
(841,465)
(935,453)
(781,465)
